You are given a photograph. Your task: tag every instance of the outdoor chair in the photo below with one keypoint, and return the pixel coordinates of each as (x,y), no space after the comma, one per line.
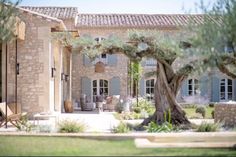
(13,118)
(85,104)
(111,102)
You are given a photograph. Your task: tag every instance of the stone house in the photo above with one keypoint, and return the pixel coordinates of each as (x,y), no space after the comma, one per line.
(50,73)
(43,63)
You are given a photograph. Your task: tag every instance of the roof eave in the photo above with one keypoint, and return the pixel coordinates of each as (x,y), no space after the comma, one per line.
(48,18)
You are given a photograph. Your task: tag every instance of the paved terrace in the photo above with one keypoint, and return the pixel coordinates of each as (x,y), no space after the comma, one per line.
(94,121)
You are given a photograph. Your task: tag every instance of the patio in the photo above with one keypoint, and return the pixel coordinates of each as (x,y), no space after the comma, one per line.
(95,121)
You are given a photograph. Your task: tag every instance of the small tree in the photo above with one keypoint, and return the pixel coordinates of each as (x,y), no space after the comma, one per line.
(135,71)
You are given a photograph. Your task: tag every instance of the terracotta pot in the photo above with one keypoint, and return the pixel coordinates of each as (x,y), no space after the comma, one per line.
(68,106)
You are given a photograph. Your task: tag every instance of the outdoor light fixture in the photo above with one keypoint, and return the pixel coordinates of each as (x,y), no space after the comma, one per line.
(53,72)
(18,68)
(66,78)
(63,76)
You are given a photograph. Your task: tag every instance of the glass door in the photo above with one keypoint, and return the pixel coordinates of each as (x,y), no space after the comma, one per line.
(100,88)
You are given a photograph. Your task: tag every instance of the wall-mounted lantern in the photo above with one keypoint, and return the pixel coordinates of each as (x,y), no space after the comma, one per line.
(62,76)
(66,78)
(53,72)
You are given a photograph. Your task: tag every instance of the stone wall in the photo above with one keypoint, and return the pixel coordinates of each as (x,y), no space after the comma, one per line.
(79,71)
(226,113)
(35,69)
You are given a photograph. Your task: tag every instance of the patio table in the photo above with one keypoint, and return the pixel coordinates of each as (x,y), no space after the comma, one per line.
(39,116)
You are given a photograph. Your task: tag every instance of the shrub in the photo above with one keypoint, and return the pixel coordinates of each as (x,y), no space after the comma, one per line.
(71,126)
(136,115)
(121,128)
(144,105)
(165,127)
(201,110)
(137,109)
(24,124)
(208,127)
(213,114)
(211,105)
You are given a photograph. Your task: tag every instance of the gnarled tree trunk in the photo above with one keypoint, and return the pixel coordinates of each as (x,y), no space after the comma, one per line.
(165,99)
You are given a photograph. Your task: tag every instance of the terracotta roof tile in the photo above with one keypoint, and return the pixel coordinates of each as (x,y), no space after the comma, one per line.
(56,12)
(137,20)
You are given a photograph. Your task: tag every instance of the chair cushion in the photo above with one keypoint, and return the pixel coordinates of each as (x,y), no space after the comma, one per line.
(109,100)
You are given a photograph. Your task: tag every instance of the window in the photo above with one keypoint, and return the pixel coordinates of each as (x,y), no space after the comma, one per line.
(226,89)
(101,58)
(99,39)
(193,87)
(151,62)
(228,49)
(100,88)
(150,89)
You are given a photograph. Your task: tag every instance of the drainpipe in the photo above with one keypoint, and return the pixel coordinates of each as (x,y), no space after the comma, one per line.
(70,77)
(6,88)
(17,72)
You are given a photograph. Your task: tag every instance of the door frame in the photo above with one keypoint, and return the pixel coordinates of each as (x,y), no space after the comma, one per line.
(98,87)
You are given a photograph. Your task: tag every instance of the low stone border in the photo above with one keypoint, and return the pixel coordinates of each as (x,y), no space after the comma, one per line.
(186,135)
(226,113)
(145,143)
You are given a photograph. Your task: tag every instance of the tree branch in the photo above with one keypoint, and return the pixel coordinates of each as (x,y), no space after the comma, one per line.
(226,71)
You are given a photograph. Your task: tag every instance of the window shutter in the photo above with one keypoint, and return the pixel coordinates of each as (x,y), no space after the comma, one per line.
(215,92)
(112,60)
(114,86)
(86,60)
(203,86)
(142,87)
(184,88)
(234,88)
(86,86)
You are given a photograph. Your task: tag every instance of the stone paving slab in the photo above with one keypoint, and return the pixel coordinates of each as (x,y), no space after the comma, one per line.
(145,143)
(189,140)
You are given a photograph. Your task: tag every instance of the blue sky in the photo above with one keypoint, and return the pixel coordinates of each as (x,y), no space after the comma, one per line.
(125,6)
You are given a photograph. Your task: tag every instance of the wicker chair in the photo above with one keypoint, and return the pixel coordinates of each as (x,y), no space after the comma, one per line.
(111,102)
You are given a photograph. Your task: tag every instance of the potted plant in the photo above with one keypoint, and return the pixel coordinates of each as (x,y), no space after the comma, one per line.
(68,106)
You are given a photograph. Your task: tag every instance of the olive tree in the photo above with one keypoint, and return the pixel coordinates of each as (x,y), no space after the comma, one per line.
(175,62)
(8,13)
(216,37)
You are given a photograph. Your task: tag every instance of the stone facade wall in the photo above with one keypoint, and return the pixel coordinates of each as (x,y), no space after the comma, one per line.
(225,113)
(79,71)
(35,69)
